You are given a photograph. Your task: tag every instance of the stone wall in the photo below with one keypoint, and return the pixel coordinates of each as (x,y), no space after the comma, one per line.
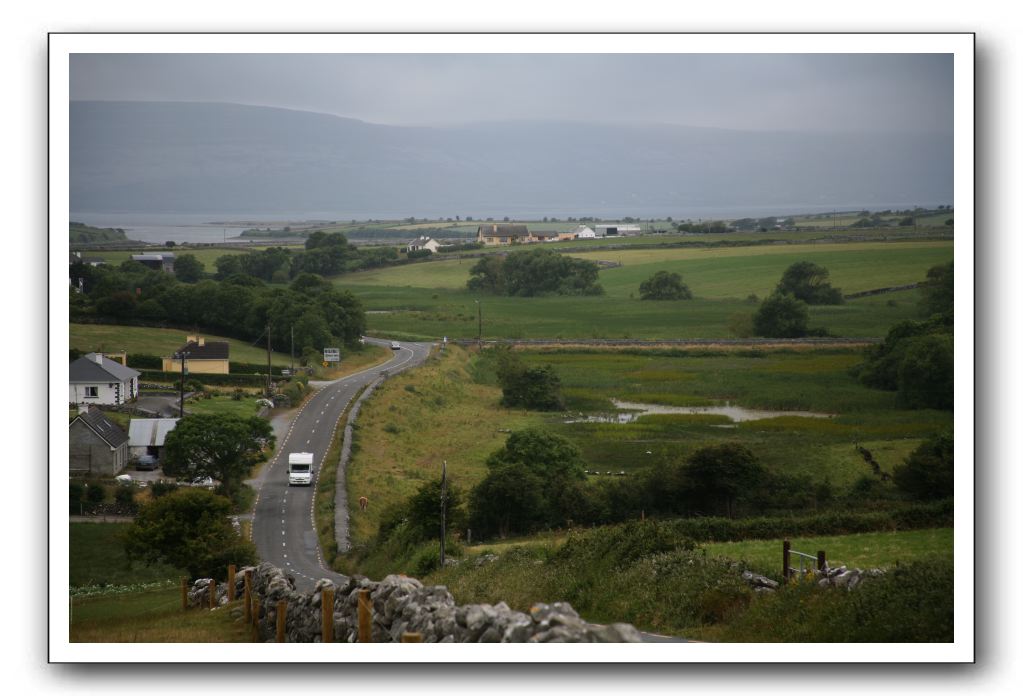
(403,604)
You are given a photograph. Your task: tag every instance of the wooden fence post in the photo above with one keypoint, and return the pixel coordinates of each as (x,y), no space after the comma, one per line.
(785,548)
(248,596)
(255,619)
(184,593)
(821,560)
(327,616)
(213,593)
(365,617)
(230,582)
(411,637)
(282,619)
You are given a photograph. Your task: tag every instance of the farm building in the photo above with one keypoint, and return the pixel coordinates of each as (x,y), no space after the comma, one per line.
(96,447)
(423,243)
(201,356)
(543,236)
(584,232)
(96,379)
(492,234)
(162,261)
(146,435)
(617,230)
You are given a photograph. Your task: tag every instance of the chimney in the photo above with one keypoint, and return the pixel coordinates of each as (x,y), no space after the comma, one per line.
(189,339)
(96,358)
(202,341)
(83,409)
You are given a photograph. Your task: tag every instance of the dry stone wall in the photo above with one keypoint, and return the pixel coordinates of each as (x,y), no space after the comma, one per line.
(402,604)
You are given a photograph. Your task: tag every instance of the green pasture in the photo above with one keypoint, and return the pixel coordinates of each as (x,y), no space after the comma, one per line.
(207,256)
(97,557)
(144,340)
(430,300)
(871,550)
(822,449)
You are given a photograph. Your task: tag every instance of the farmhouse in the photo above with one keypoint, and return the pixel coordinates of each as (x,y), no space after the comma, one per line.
(97,447)
(544,236)
(423,243)
(491,234)
(201,356)
(617,230)
(96,379)
(163,261)
(146,435)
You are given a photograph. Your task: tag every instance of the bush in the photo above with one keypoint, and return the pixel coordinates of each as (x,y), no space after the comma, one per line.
(808,282)
(929,472)
(663,285)
(162,488)
(781,316)
(527,387)
(125,496)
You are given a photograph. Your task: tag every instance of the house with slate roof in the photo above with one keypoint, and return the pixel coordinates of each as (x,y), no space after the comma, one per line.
(201,356)
(97,446)
(491,234)
(96,379)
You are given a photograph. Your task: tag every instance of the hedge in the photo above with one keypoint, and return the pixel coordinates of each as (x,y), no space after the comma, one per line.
(211,379)
(141,361)
(920,516)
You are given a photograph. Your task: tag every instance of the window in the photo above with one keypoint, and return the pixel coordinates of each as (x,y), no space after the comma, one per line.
(91,392)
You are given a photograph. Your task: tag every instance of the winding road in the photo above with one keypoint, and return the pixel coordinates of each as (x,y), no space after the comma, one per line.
(282,523)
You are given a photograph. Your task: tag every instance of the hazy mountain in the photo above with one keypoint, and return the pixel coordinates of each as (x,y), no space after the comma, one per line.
(150,157)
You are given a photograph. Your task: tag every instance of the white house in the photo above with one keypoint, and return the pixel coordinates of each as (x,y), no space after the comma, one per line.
(95,379)
(423,243)
(584,232)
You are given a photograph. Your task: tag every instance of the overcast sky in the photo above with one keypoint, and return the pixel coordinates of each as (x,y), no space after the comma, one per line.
(841,92)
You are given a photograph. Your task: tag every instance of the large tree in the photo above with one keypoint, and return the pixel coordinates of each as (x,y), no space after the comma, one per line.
(928,473)
(937,293)
(715,476)
(188,529)
(808,282)
(188,269)
(221,447)
(664,286)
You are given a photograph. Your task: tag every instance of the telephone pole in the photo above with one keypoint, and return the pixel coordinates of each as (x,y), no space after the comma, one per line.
(268,371)
(181,392)
(443,510)
(292,349)
(479,332)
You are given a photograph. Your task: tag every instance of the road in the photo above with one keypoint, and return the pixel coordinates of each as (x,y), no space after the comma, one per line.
(282,522)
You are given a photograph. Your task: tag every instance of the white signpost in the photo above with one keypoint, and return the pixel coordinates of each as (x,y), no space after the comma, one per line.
(331,355)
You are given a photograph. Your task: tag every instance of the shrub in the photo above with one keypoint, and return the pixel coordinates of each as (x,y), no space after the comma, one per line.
(808,282)
(928,473)
(781,316)
(663,285)
(125,496)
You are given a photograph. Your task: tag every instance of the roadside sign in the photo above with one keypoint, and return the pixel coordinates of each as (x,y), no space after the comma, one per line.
(331,355)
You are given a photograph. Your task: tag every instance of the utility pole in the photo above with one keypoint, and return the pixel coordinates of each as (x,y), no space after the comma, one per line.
(181,392)
(443,510)
(268,370)
(292,349)
(479,331)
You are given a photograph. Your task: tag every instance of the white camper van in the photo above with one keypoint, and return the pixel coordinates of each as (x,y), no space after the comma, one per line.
(300,469)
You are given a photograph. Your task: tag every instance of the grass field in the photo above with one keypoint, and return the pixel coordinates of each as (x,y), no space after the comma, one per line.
(877,550)
(429,300)
(206,256)
(153,616)
(414,422)
(816,381)
(224,406)
(97,557)
(142,340)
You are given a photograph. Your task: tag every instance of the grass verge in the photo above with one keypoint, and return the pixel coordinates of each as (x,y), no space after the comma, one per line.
(153,616)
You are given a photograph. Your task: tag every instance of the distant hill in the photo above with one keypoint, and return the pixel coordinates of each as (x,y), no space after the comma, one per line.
(81,233)
(178,157)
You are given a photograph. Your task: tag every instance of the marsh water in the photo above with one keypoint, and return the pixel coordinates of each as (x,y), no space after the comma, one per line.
(737,414)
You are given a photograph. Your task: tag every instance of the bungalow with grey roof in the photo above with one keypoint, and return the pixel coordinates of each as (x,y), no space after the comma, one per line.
(96,379)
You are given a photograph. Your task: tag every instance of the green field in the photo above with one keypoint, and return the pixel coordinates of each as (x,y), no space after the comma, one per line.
(817,381)
(875,550)
(206,255)
(429,300)
(97,558)
(143,340)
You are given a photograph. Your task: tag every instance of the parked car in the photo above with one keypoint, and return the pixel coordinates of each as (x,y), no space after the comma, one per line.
(146,462)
